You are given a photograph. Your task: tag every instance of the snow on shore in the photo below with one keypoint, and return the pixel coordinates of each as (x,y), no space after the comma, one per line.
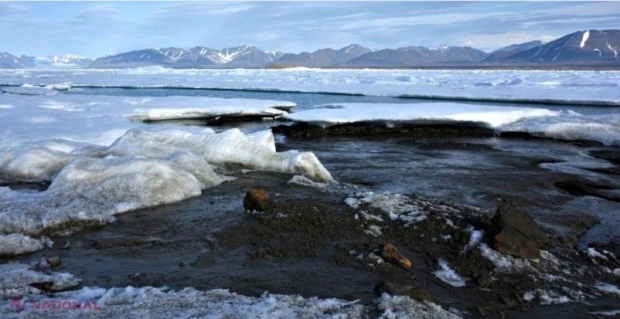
(22,300)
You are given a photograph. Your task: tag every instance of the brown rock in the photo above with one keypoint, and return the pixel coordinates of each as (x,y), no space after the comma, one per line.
(391,254)
(53,261)
(257,199)
(515,232)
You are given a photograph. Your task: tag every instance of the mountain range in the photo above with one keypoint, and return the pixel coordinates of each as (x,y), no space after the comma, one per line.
(582,48)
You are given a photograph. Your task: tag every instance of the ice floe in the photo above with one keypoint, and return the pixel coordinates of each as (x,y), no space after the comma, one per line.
(564,125)
(419,113)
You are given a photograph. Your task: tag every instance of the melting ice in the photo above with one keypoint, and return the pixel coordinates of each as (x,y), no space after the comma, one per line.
(102,160)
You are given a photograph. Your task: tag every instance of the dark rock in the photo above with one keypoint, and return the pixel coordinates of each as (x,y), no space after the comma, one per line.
(257,199)
(384,287)
(391,254)
(43,286)
(372,129)
(519,135)
(515,232)
(53,261)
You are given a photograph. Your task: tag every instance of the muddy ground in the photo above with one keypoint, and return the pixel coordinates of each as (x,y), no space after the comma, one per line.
(313,244)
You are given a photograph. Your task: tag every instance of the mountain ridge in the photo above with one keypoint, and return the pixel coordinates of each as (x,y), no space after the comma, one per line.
(581,48)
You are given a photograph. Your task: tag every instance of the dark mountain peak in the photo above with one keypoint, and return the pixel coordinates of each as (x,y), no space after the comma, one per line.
(592,47)
(355,50)
(586,47)
(519,47)
(9,61)
(419,56)
(324,57)
(507,51)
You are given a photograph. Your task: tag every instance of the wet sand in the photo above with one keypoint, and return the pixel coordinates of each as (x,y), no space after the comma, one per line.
(312,244)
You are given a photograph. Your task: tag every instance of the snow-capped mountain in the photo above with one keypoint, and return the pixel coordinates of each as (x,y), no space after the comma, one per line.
(584,48)
(9,61)
(504,52)
(591,47)
(324,57)
(198,57)
(63,61)
(419,56)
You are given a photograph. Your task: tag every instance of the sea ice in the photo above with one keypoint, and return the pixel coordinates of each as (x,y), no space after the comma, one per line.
(419,113)
(526,86)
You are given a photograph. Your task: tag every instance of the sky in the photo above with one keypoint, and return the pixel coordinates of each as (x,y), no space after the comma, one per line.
(95,29)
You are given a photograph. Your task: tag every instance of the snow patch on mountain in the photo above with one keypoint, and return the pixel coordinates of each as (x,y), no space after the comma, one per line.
(612,49)
(586,35)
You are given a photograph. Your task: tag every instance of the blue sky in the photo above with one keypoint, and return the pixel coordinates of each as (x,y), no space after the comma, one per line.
(98,28)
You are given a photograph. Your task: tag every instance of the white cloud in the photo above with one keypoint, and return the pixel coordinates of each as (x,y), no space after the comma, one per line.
(489,42)
(431,19)
(587,21)
(99,13)
(184,10)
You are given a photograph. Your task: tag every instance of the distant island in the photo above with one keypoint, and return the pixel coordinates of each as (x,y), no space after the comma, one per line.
(590,48)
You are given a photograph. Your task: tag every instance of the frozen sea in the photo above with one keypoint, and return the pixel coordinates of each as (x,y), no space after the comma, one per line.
(84,133)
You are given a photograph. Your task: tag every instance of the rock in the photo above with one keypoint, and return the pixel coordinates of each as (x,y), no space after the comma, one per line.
(257,199)
(420,294)
(515,233)
(384,287)
(53,261)
(391,254)
(43,286)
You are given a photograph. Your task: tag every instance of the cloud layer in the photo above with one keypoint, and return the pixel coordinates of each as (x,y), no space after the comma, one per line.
(96,29)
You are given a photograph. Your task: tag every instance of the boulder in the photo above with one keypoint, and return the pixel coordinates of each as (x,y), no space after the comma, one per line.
(514,232)
(391,254)
(54,261)
(257,199)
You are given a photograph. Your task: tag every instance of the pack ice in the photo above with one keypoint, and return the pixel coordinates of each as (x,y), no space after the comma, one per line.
(102,160)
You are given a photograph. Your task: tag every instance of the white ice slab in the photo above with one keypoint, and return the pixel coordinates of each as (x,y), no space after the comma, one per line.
(29,90)
(563,125)
(421,113)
